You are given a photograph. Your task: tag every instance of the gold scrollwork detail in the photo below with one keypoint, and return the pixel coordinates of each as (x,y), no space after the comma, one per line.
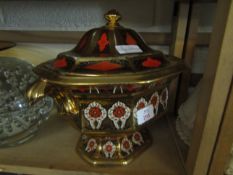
(37,90)
(67,103)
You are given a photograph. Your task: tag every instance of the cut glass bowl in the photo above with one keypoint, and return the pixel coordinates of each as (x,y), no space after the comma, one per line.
(19,120)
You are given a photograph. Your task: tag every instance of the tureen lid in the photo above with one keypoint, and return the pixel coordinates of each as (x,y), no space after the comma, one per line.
(107,53)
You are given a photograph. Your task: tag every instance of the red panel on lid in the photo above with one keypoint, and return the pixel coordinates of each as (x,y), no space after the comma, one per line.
(151,62)
(130,40)
(82,43)
(103,42)
(103,66)
(60,63)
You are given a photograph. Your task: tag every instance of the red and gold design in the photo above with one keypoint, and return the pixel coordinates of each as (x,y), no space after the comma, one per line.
(140,104)
(154,100)
(105,81)
(82,43)
(91,145)
(126,145)
(119,112)
(95,113)
(130,40)
(95,89)
(116,88)
(151,63)
(109,149)
(164,98)
(132,87)
(137,138)
(103,66)
(60,63)
(103,42)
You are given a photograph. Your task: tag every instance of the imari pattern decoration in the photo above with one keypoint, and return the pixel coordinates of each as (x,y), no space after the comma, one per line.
(95,89)
(130,40)
(151,62)
(91,145)
(107,84)
(164,98)
(137,138)
(109,149)
(103,42)
(126,145)
(115,89)
(142,103)
(119,113)
(95,114)
(115,148)
(154,100)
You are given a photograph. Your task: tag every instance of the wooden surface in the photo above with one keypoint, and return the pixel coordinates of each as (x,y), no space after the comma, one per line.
(222,151)
(6,45)
(36,53)
(71,37)
(179,26)
(188,52)
(214,92)
(152,38)
(53,152)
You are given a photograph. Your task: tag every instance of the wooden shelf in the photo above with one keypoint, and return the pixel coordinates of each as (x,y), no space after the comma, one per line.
(52,151)
(151,38)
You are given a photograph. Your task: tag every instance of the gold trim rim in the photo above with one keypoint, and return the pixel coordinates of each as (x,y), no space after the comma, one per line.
(145,77)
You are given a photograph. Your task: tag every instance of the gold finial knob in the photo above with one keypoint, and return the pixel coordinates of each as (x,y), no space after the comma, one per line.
(112,16)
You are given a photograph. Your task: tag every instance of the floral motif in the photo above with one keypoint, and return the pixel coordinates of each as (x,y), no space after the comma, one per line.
(119,112)
(109,149)
(154,100)
(126,145)
(137,138)
(95,113)
(164,98)
(140,104)
(91,145)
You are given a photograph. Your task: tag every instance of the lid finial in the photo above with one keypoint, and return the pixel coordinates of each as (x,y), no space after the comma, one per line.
(112,16)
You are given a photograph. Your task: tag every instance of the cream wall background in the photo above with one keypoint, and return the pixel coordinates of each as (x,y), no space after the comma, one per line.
(72,15)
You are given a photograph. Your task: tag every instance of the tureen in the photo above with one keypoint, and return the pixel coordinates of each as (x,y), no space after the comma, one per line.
(112,85)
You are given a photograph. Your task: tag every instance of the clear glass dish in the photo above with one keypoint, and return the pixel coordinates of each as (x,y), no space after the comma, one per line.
(19,120)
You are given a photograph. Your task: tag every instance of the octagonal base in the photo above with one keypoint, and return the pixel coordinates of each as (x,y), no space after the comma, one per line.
(113,149)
